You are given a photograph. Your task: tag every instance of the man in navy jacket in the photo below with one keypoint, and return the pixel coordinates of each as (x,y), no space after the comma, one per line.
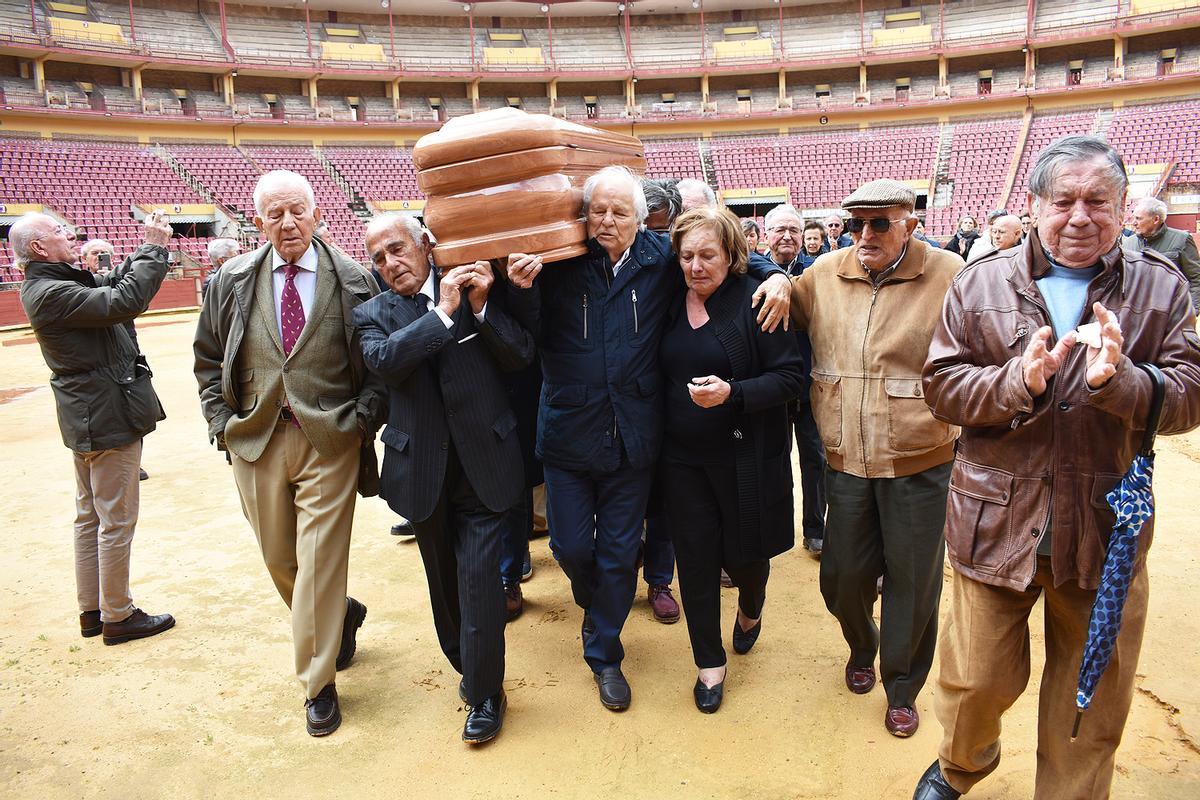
(600,417)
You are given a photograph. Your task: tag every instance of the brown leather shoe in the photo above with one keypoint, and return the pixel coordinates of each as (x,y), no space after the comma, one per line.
(90,624)
(901,721)
(137,625)
(514,601)
(662,603)
(860,680)
(322,714)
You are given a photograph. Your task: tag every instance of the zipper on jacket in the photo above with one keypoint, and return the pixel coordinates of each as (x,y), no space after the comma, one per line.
(1022,331)
(585,315)
(862,401)
(633,296)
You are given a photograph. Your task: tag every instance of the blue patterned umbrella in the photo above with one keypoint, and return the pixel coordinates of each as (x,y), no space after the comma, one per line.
(1133,503)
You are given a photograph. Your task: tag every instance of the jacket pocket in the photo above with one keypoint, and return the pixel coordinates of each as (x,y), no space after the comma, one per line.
(566,396)
(141,403)
(911,425)
(397,440)
(333,403)
(505,424)
(978,517)
(827,407)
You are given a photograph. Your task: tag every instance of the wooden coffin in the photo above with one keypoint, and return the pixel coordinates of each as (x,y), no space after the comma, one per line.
(506,181)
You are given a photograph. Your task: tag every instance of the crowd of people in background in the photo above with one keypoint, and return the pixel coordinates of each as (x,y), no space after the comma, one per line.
(940,398)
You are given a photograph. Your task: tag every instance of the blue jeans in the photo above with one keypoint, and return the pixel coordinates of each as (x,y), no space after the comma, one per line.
(658,564)
(595,528)
(514,539)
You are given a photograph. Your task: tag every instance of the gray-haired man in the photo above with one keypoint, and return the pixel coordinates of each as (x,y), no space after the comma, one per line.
(1150,231)
(1047,429)
(219,251)
(105,403)
(285,391)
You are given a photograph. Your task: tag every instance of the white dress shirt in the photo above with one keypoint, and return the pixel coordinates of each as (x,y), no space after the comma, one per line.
(305,280)
(427,290)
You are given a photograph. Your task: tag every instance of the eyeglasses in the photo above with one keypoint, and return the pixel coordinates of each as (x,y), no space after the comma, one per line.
(782,229)
(878,224)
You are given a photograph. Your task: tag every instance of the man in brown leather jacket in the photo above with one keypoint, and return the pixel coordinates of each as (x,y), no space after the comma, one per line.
(1049,425)
(869,311)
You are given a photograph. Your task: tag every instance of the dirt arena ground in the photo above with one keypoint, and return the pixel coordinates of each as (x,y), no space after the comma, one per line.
(211,709)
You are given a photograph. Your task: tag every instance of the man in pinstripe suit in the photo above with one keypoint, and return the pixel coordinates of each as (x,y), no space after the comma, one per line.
(452,462)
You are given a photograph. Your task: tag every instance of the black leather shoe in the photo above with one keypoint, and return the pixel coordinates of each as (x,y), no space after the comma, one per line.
(744,640)
(403,529)
(462,689)
(933,785)
(708,698)
(356,612)
(485,720)
(813,546)
(137,625)
(90,624)
(322,712)
(614,689)
(588,628)
(143,475)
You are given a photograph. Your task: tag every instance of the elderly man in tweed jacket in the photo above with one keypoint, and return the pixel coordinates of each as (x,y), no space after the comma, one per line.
(285,392)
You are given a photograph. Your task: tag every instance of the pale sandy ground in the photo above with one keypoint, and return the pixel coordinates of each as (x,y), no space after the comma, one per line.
(211,709)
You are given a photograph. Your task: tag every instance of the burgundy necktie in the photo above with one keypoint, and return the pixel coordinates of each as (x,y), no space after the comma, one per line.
(291,310)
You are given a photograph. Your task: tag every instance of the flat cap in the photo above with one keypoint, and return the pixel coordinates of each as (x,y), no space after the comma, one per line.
(881,194)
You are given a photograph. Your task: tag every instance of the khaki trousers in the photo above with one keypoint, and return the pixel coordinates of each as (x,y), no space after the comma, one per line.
(985,667)
(301,506)
(106,513)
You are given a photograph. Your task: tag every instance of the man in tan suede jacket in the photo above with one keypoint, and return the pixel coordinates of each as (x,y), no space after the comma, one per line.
(870,311)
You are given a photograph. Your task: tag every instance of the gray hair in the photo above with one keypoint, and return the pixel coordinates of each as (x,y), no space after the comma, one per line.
(411,225)
(25,231)
(1072,150)
(1151,205)
(686,184)
(223,249)
(661,195)
(277,178)
(778,211)
(95,244)
(619,175)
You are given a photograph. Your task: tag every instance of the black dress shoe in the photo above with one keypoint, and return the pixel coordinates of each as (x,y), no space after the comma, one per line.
(143,475)
(485,719)
(744,640)
(708,698)
(403,529)
(934,786)
(614,689)
(322,712)
(356,612)
(137,625)
(90,624)
(814,546)
(462,689)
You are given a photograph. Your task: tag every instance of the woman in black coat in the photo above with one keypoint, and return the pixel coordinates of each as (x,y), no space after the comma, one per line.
(964,237)
(725,472)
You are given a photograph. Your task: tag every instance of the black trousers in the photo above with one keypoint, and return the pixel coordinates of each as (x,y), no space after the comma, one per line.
(460,546)
(890,527)
(811,452)
(702,518)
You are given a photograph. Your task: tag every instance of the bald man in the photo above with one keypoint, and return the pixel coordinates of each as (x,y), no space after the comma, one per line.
(1006,232)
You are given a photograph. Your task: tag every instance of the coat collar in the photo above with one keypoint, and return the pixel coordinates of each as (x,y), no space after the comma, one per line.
(59,271)
(911,266)
(1030,263)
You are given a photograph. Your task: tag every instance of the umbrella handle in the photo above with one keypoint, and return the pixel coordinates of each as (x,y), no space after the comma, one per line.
(1156,404)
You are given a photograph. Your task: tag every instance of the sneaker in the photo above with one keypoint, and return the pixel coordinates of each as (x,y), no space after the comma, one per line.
(526,567)
(663,604)
(514,602)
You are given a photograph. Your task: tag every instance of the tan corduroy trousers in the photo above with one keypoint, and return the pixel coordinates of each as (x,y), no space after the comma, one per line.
(984,651)
(106,513)
(301,506)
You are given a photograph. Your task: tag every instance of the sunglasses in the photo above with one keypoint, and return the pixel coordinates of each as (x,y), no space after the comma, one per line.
(878,224)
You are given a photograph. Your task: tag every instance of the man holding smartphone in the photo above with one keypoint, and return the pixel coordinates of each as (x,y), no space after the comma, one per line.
(97,256)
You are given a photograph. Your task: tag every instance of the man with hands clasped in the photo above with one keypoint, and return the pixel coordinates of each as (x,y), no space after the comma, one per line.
(452,463)
(1052,409)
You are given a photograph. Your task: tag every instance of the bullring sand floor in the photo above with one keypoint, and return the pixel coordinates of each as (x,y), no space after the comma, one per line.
(211,709)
